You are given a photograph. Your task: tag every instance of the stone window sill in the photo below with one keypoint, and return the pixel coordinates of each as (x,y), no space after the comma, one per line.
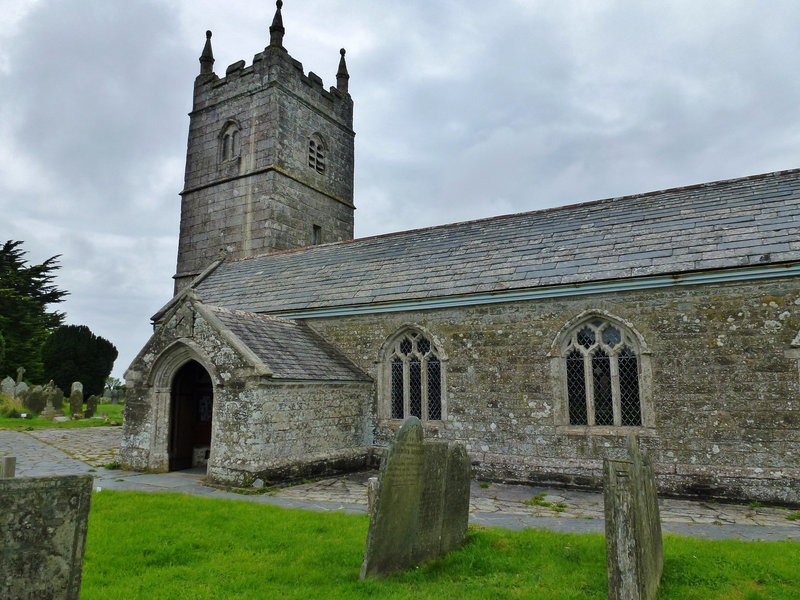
(586,431)
(396,423)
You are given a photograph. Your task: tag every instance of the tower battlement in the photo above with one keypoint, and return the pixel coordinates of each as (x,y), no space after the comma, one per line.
(269,161)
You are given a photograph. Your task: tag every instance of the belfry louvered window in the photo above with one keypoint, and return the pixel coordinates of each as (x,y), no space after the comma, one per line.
(602,375)
(414,373)
(316,154)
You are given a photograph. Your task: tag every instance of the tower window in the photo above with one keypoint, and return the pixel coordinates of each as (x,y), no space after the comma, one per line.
(316,154)
(316,235)
(229,146)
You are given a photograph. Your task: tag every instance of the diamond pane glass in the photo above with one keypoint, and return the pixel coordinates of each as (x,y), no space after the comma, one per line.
(576,389)
(585,337)
(397,389)
(434,389)
(603,402)
(630,405)
(415,388)
(405,346)
(612,336)
(423,345)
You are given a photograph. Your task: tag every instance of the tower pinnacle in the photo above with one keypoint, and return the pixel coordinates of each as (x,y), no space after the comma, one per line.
(207,57)
(342,76)
(276,30)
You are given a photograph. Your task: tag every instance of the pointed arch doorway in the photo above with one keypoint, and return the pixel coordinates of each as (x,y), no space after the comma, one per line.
(191,410)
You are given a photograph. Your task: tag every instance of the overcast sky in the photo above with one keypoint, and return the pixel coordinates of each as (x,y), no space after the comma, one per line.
(463,110)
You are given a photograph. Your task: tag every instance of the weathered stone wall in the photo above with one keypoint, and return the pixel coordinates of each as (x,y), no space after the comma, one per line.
(267,198)
(724,393)
(283,430)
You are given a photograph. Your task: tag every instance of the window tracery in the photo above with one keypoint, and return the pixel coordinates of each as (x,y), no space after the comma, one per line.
(602,374)
(229,144)
(414,378)
(316,154)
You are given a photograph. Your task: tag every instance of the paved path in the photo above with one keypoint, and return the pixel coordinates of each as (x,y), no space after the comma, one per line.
(67,451)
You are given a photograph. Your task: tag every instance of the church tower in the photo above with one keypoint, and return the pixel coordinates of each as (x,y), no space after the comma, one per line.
(269,163)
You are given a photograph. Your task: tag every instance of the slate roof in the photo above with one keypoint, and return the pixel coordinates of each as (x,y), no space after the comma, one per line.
(289,348)
(734,223)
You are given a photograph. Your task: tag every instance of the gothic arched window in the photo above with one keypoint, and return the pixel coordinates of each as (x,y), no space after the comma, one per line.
(316,153)
(413,378)
(601,368)
(229,144)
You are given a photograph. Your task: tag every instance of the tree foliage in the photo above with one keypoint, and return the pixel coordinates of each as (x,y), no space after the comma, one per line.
(25,322)
(73,353)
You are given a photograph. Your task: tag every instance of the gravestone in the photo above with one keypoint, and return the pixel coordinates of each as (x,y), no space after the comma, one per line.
(37,399)
(91,403)
(21,391)
(634,552)
(49,412)
(76,399)
(8,467)
(7,387)
(20,373)
(42,536)
(421,507)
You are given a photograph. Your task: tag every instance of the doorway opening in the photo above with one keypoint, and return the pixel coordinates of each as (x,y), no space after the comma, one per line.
(191,409)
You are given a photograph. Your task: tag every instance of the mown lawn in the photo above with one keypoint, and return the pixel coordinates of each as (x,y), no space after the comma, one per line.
(37,422)
(175,546)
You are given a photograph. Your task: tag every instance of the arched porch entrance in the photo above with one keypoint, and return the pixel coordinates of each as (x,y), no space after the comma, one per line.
(191,409)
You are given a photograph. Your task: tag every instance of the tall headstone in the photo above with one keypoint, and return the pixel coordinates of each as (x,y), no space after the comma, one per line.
(7,387)
(76,399)
(421,507)
(21,391)
(20,373)
(43,528)
(634,552)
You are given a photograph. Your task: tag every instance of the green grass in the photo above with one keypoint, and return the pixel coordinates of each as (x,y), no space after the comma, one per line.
(175,546)
(37,422)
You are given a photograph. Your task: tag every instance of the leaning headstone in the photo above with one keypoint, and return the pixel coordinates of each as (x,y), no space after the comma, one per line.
(7,387)
(76,399)
(421,507)
(8,467)
(634,552)
(43,535)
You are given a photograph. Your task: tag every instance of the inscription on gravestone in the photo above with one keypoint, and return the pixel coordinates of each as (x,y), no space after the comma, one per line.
(634,552)
(421,507)
(42,536)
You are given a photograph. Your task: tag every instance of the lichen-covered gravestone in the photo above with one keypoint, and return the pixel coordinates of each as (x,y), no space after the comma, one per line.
(634,552)
(421,507)
(43,528)
(76,399)
(7,387)
(91,406)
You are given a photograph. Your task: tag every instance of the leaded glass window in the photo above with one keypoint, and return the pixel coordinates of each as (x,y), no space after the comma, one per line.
(414,370)
(602,376)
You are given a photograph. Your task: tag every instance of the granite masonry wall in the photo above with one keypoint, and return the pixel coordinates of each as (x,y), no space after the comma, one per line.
(724,386)
(264,196)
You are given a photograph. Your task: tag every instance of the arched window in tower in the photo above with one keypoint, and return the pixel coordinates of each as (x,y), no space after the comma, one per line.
(316,153)
(229,145)
(602,367)
(413,377)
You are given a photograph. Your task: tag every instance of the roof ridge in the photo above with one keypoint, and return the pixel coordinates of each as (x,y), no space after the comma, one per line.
(553,209)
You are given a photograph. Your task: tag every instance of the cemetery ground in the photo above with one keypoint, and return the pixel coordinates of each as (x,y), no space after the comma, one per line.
(226,545)
(35,421)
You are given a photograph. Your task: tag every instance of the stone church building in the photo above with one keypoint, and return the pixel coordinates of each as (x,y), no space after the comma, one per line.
(539,340)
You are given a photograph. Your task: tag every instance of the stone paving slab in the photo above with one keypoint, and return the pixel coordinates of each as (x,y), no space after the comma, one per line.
(68,451)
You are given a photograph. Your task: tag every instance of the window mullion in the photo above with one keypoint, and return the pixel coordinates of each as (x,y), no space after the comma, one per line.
(406,386)
(615,393)
(589,387)
(423,393)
